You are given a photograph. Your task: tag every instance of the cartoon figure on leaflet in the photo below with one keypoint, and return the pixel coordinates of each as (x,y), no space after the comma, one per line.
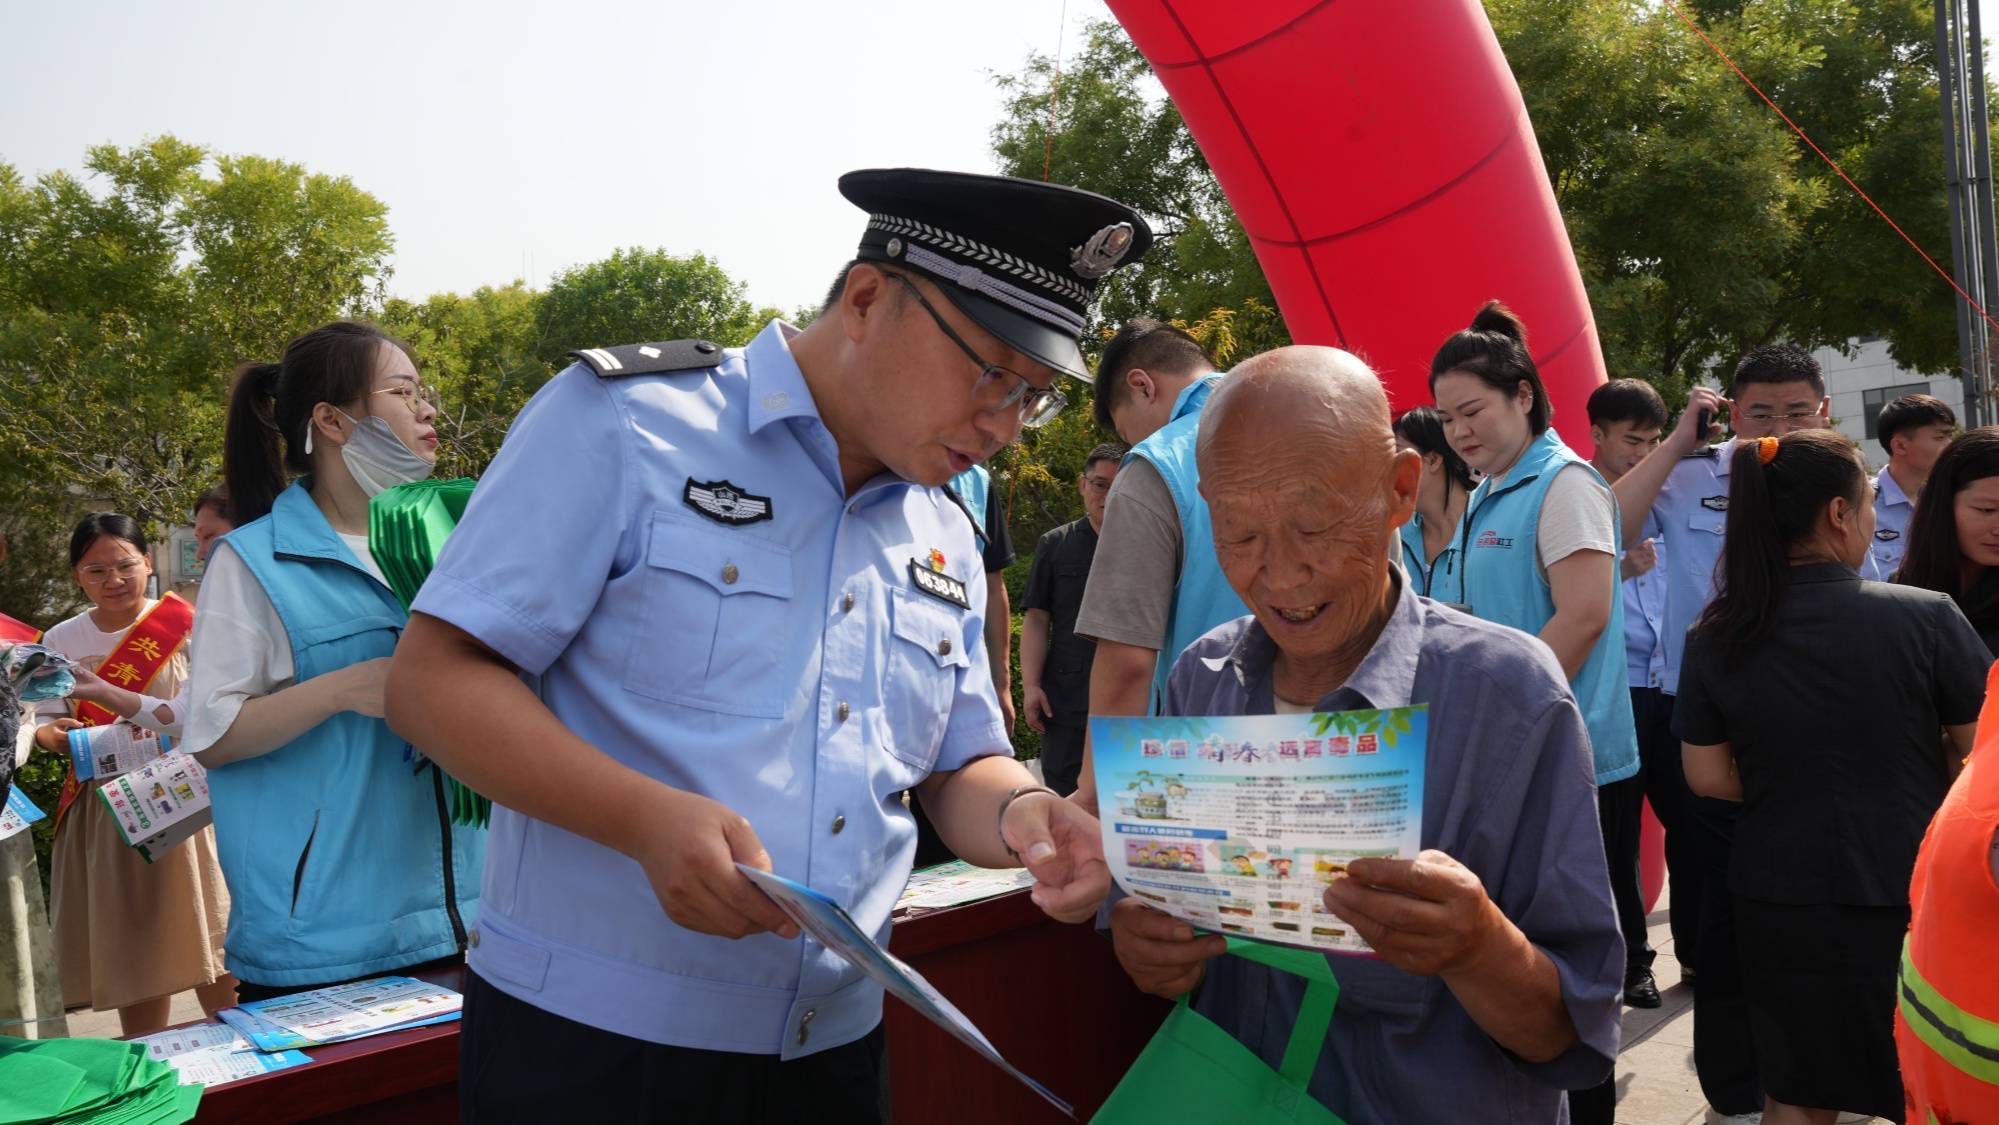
(1158,797)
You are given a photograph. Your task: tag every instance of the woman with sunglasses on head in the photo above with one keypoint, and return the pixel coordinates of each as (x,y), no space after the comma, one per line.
(341,856)
(130,934)
(1834,710)
(1953,542)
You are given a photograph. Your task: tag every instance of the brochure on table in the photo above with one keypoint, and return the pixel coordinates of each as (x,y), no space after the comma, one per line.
(342,1012)
(17,813)
(829,924)
(114,748)
(1237,824)
(209,1054)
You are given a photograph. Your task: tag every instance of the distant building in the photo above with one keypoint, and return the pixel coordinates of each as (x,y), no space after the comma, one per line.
(1861,384)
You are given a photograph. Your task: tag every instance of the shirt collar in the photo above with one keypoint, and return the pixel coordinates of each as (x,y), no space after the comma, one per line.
(1725,457)
(1891,489)
(1386,676)
(777,386)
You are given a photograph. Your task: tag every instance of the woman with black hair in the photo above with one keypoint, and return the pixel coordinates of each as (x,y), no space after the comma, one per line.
(1816,700)
(337,840)
(1953,541)
(1428,537)
(129,934)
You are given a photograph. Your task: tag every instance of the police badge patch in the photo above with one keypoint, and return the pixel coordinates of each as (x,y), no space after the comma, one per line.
(1887,535)
(725,503)
(1715,503)
(943,587)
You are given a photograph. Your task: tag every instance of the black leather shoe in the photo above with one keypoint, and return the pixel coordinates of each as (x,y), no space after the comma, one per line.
(1640,990)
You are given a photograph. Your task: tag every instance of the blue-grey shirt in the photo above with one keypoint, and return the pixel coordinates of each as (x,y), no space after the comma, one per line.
(1645,615)
(792,668)
(1692,513)
(1893,509)
(1508,792)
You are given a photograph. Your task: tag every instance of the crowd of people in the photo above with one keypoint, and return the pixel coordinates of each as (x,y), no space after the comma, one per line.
(761,619)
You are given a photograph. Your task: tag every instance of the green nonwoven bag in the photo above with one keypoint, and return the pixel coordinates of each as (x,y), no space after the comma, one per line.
(1192,1070)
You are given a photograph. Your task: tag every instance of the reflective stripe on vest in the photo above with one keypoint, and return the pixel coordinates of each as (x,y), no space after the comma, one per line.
(1965,1041)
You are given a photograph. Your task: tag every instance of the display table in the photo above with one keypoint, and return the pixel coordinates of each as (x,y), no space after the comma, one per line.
(1050,997)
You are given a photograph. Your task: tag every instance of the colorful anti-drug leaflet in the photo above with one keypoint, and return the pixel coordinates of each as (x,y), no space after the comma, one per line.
(957,883)
(1237,824)
(159,805)
(113,749)
(829,924)
(210,1054)
(343,1011)
(17,813)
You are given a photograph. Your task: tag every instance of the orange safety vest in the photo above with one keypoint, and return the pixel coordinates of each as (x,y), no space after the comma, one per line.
(1947,1021)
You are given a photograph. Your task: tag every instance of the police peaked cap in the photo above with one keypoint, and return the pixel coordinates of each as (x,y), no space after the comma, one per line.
(1020,257)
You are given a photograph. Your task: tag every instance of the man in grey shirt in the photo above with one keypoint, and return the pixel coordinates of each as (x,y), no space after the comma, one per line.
(1500,962)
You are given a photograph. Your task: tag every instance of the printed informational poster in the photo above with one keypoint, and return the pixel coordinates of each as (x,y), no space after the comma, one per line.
(829,924)
(159,805)
(1235,825)
(163,1045)
(17,813)
(957,883)
(112,749)
(212,1066)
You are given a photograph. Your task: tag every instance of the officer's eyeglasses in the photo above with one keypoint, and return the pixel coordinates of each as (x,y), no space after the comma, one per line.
(998,387)
(124,568)
(415,396)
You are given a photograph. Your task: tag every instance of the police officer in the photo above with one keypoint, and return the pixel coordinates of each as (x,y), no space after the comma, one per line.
(709,606)
(1914,430)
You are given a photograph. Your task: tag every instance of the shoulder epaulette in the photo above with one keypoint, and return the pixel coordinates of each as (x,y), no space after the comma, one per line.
(1711,452)
(651,359)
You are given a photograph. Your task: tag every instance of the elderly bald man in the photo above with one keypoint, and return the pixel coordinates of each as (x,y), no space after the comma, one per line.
(1500,960)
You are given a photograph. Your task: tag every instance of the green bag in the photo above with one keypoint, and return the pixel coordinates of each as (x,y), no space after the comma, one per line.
(1194,1071)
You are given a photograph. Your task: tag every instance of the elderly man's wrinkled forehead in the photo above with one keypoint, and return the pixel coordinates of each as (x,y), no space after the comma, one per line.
(1313,406)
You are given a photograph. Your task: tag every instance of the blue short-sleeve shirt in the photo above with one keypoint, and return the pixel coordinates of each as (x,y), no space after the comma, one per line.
(1644,614)
(1893,509)
(1692,514)
(782,660)
(1508,791)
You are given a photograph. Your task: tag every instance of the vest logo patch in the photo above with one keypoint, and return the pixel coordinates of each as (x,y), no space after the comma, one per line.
(943,587)
(1887,535)
(725,503)
(1715,503)
(1490,538)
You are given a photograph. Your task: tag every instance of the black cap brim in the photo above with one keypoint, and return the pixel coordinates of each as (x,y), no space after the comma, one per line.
(1040,342)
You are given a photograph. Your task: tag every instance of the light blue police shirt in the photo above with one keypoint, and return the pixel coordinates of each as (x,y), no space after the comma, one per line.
(1645,615)
(1691,511)
(1893,509)
(789,667)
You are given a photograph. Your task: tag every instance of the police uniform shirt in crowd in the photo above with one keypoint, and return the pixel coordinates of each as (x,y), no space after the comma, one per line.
(1507,793)
(1645,615)
(1692,512)
(1893,509)
(1055,586)
(700,599)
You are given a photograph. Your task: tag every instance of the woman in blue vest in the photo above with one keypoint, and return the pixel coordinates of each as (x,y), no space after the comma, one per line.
(1429,539)
(1538,550)
(341,857)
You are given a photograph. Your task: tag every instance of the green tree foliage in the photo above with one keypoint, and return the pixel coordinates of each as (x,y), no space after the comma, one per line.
(127,295)
(484,354)
(638,294)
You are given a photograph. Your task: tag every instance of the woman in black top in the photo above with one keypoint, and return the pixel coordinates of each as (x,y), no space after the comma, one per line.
(1954,537)
(1815,699)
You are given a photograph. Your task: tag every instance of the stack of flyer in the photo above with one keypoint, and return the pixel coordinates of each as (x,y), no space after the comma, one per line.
(17,813)
(159,805)
(341,1012)
(113,749)
(209,1054)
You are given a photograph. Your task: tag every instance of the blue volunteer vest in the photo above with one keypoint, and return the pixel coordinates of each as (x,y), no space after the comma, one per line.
(1498,579)
(974,486)
(1202,598)
(341,859)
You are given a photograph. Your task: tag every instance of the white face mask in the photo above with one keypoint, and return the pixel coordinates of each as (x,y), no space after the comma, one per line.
(377,459)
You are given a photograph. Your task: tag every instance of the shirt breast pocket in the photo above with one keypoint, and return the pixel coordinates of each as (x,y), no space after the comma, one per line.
(715,601)
(1706,521)
(926,654)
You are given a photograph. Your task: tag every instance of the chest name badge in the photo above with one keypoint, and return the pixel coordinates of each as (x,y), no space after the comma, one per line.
(943,587)
(1715,503)
(725,503)
(1887,535)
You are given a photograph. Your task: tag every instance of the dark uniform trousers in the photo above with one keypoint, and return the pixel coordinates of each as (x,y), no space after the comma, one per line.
(518,1063)
(1062,755)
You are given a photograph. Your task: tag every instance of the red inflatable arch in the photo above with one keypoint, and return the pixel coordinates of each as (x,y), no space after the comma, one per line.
(1381,161)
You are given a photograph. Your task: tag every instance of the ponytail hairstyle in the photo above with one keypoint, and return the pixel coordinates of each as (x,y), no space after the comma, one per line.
(1933,560)
(1494,351)
(1423,428)
(270,409)
(1776,493)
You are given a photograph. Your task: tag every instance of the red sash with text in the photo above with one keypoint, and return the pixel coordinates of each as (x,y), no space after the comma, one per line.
(134,663)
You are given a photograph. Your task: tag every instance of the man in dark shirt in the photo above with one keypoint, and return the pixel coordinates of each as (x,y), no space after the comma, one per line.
(1054,661)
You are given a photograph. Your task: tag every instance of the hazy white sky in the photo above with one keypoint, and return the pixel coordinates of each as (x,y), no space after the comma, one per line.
(504,132)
